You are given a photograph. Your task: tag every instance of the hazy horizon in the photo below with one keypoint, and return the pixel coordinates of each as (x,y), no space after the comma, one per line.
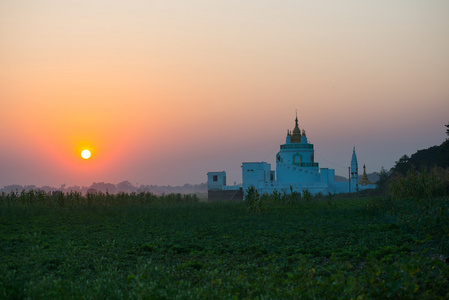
(163,92)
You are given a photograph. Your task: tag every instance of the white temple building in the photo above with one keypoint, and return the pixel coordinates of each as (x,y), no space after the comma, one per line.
(296,170)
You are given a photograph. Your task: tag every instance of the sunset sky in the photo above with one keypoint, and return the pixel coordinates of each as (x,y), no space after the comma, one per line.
(162,92)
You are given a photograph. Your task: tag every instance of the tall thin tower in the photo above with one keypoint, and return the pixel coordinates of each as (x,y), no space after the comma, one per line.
(354,173)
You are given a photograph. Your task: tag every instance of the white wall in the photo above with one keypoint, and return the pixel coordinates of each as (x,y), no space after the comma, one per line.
(218,183)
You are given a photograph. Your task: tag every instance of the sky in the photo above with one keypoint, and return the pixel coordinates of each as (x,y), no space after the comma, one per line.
(163,92)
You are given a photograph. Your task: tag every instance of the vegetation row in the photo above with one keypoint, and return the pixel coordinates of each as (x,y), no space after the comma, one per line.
(58,198)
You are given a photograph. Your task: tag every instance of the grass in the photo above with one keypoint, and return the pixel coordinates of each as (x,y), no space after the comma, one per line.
(350,248)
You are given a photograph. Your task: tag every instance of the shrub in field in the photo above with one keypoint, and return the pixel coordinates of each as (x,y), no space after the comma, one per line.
(253,201)
(420,184)
(293,197)
(277,197)
(319,195)
(330,198)
(257,203)
(306,195)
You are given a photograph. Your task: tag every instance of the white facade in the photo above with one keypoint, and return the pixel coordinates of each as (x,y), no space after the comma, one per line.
(296,170)
(216,180)
(256,174)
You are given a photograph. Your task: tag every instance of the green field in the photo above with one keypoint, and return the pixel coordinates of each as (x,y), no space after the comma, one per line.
(318,249)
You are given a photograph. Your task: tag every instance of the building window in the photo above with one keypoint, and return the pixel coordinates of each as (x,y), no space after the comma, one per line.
(215,178)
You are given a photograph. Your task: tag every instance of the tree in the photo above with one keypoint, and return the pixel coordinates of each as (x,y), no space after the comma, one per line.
(383,180)
(125,187)
(442,157)
(104,187)
(402,165)
(447,130)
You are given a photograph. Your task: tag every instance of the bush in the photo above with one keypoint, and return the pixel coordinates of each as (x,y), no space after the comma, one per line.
(253,200)
(420,184)
(306,195)
(257,203)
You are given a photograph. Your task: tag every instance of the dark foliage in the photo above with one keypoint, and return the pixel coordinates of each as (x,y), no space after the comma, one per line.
(422,160)
(426,159)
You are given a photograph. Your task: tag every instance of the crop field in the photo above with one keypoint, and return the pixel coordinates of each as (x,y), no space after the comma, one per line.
(145,247)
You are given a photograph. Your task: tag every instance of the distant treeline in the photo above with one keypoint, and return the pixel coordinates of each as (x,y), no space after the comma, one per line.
(424,160)
(122,187)
(426,164)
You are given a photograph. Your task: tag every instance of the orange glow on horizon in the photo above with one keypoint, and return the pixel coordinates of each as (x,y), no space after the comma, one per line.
(165,92)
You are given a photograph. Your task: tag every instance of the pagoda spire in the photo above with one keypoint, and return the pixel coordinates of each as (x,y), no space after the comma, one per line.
(364,180)
(296,135)
(296,120)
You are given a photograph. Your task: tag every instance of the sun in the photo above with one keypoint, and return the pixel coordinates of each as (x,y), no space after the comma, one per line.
(85,154)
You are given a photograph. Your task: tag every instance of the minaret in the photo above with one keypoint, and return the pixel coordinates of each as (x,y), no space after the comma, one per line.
(354,172)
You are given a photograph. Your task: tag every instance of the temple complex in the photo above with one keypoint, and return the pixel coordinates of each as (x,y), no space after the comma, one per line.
(296,170)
